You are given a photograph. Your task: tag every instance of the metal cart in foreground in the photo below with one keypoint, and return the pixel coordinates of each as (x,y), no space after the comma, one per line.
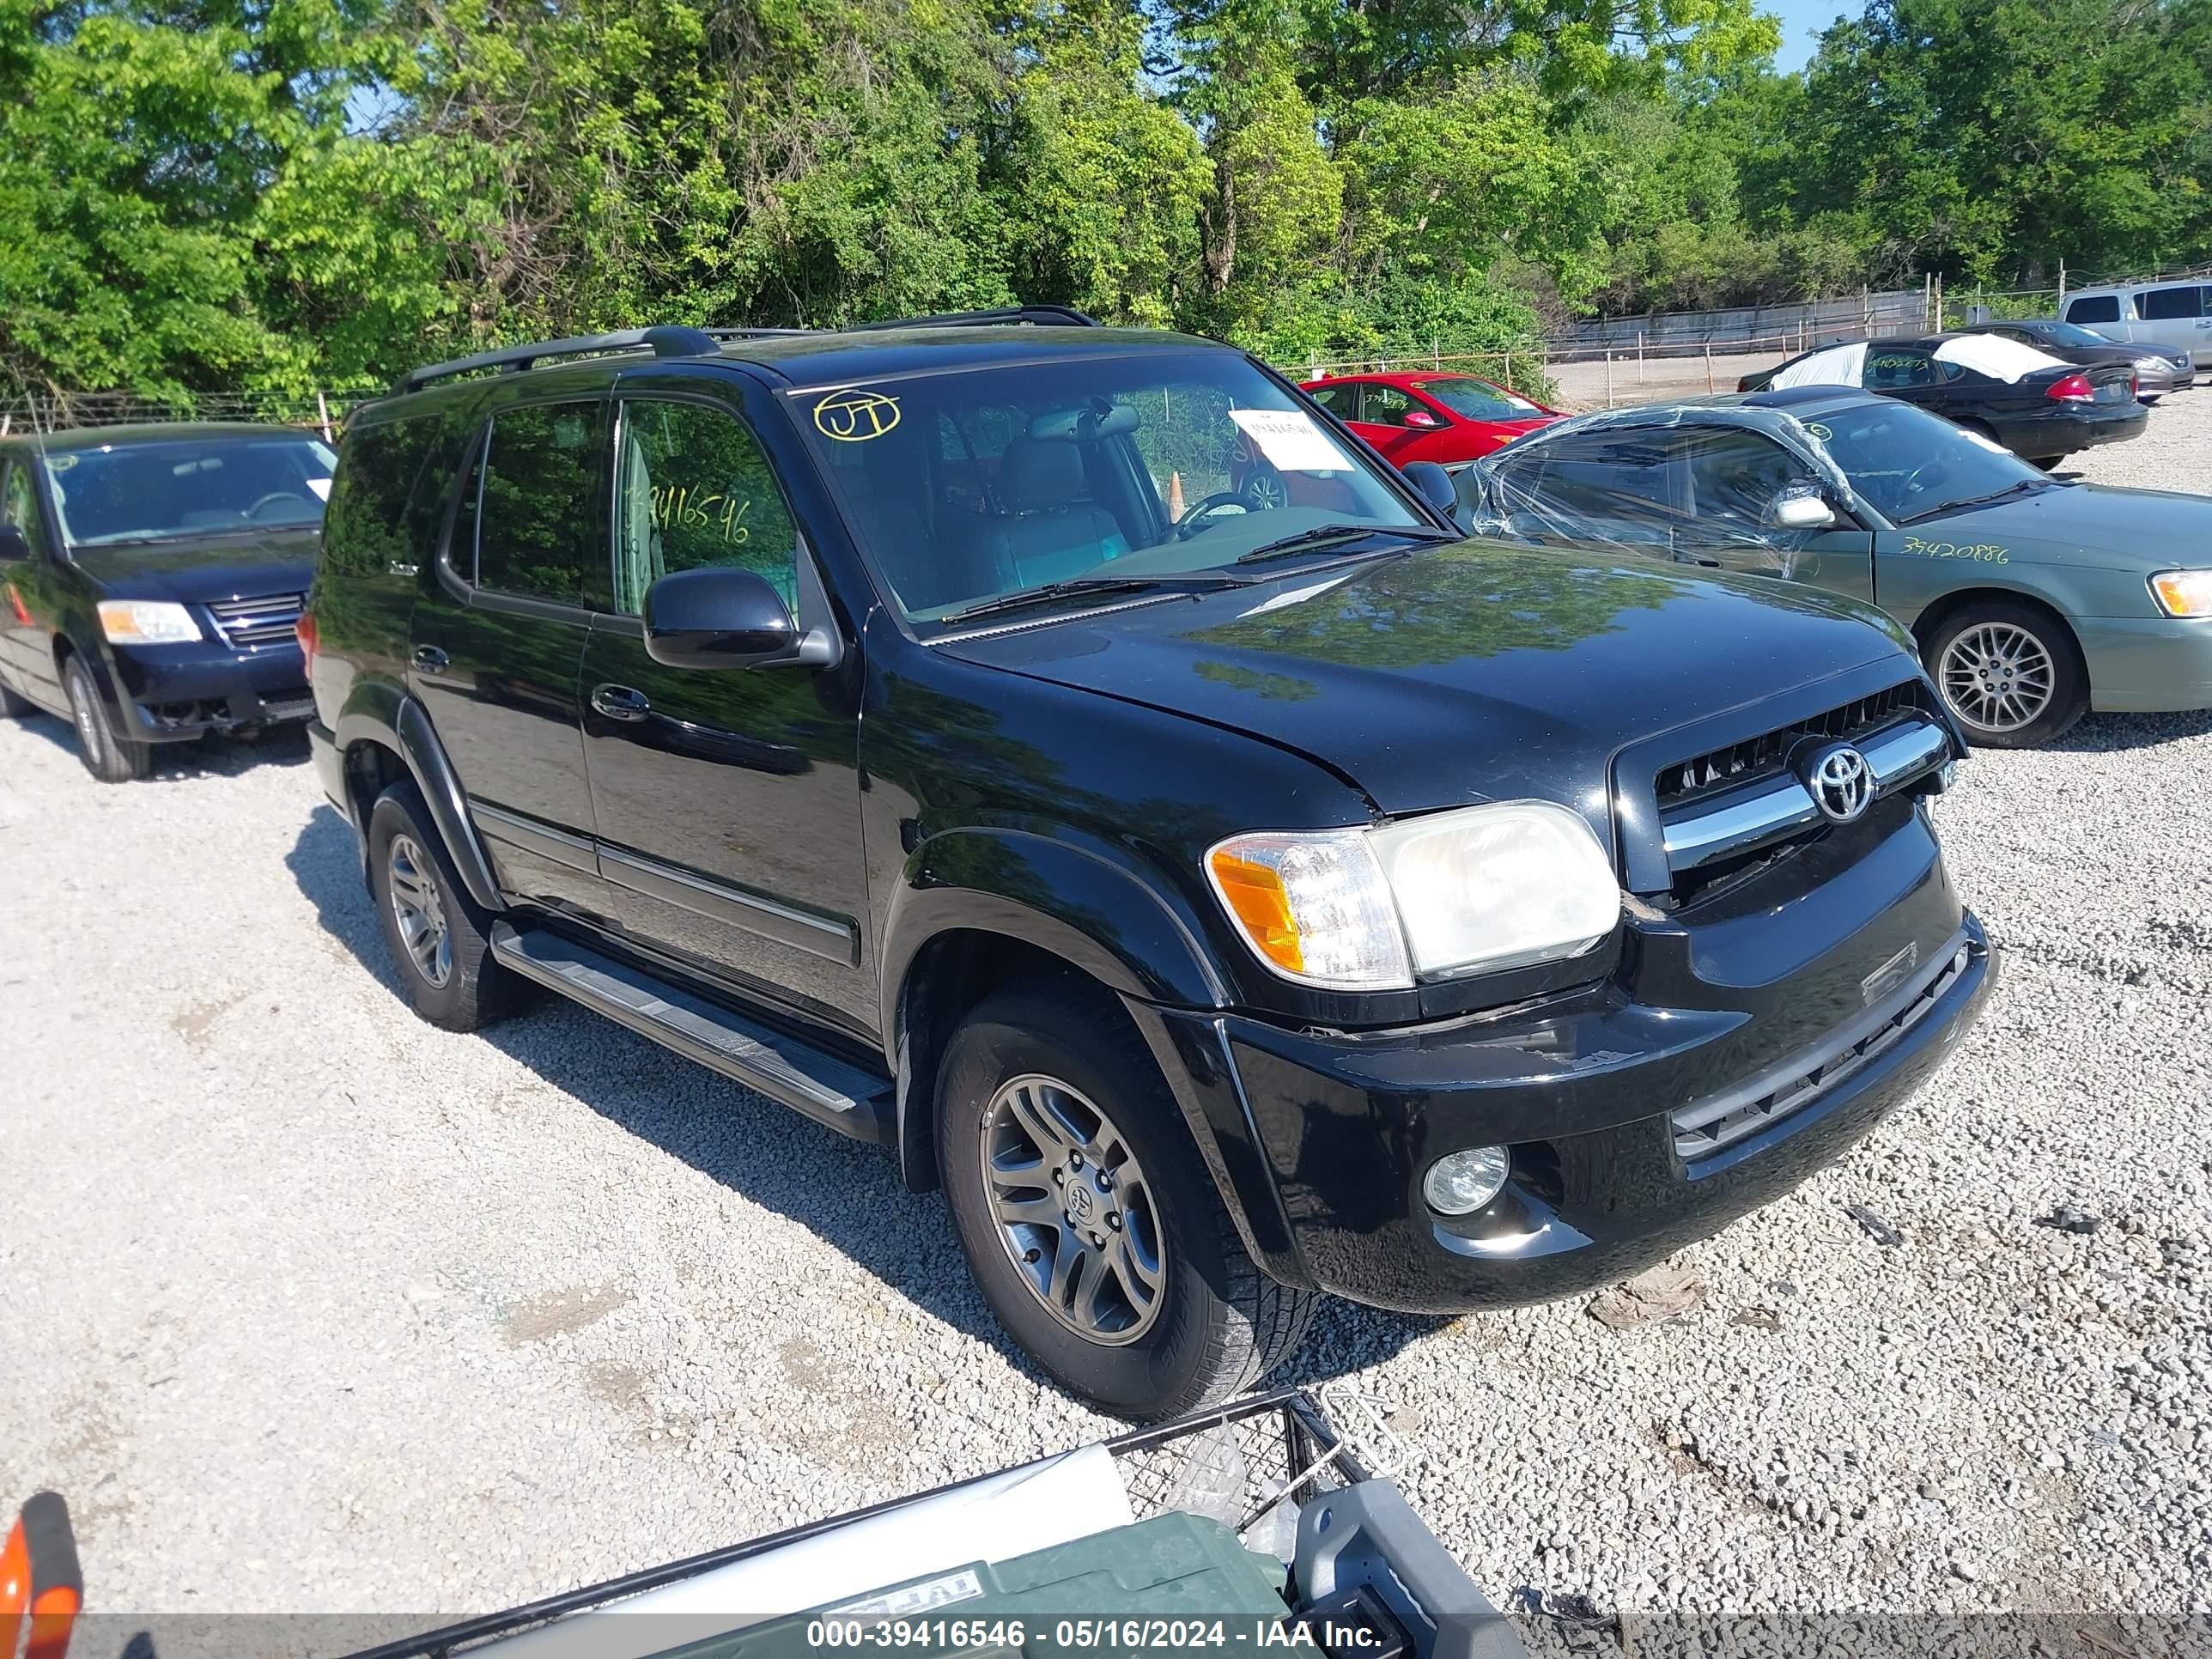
(1253,1526)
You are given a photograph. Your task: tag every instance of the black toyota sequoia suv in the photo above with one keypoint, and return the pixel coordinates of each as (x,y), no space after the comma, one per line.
(1068,757)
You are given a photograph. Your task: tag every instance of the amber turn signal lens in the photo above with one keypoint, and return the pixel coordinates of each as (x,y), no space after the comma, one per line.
(2184,592)
(1256,895)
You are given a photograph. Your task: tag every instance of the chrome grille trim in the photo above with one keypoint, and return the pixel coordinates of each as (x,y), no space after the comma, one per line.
(249,625)
(1729,826)
(1709,1125)
(1684,783)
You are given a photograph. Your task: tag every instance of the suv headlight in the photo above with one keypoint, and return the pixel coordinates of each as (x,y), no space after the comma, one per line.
(2183,593)
(147,621)
(1474,889)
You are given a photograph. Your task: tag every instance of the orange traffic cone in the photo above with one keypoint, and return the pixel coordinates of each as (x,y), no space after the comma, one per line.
(1175,495)
(39,1580)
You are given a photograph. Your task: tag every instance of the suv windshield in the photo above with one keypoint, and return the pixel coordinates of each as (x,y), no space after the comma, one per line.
(182,489)
(1478,400)
(968,485)
(1910,464)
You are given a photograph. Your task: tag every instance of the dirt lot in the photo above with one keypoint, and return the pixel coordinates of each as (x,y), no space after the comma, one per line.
(315,1308)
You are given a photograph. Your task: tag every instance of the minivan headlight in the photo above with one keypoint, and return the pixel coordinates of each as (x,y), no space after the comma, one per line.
(147,621)
(1470,890)
(2184,592)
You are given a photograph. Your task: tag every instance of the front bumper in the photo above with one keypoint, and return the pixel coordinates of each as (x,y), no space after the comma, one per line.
(2147,665)
(170,693)
(1634,1127)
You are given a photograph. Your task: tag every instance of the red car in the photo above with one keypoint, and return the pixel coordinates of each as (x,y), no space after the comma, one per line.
(1443,417)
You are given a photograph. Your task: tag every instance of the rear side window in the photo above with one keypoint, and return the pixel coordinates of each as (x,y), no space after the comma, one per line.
(2096,308)
(2159,305)
(1341,401)
(540,533)
(1622,486)
(367,529)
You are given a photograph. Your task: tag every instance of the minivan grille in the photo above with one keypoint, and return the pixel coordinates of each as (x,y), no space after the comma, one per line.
(1708,774)
(251,624)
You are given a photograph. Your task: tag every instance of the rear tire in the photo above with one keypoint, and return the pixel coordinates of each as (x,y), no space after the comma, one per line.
(2046,462)
(106,757)
(2011,673)
(1061,1055)
(438,937)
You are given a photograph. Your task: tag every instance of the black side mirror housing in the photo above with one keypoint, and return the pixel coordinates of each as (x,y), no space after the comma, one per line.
(721,616)
(1433,484)
(14,546)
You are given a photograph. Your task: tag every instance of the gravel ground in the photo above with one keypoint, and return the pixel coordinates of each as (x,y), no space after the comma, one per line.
(313,1308)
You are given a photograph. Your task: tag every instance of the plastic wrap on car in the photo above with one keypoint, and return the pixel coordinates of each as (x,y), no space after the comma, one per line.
(1492,504)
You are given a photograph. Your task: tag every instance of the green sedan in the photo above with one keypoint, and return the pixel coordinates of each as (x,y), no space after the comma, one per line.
(2032,599)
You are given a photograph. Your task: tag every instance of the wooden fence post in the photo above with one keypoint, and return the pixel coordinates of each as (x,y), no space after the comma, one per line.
(323,410)
(1709,365)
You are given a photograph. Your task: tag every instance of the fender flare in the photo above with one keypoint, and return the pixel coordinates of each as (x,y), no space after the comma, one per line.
(381,712)
(1061,895)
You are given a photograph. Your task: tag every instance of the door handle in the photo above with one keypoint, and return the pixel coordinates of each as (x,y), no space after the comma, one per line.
(620,702)
(430,659)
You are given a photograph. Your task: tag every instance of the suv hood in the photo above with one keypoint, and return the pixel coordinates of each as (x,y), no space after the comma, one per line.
(231,567)
(1472,671)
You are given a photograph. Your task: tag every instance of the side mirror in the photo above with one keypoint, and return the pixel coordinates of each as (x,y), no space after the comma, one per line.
(1800,509)
(1423,419)
(721,617)
(14,546)
(1433,483)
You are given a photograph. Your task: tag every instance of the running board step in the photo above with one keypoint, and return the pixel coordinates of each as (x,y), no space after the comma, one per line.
(850,1100)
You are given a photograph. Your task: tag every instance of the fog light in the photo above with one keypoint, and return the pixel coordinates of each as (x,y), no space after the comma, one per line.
(1459,1183)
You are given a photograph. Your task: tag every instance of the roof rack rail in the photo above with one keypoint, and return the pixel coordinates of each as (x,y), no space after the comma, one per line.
(672,341)
(678,341)
(1038,316)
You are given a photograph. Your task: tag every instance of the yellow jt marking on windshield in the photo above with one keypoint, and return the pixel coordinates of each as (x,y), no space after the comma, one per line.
(852,416)
(1981,552)
(1819,431)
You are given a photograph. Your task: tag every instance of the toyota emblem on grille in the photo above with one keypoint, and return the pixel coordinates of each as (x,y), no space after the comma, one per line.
(1841,783)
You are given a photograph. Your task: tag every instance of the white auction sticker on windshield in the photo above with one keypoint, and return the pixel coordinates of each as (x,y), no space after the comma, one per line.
(321,487)
(1290,441)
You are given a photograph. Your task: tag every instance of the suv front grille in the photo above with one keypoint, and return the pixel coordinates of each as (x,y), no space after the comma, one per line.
(1692,780)
(248,624)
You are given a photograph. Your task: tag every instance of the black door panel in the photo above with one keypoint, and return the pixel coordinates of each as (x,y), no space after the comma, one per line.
(497,667)
(727,800)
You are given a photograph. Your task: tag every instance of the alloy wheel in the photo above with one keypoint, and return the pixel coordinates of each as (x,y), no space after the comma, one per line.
(1074,1209)
(420,910)
(1997,676)
(1265,491)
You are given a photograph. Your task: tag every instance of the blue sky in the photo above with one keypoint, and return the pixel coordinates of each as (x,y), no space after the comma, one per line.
(1802,23)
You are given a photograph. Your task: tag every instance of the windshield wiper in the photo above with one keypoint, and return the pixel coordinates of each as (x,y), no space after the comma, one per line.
(2013,489)
(1075,587)
(1321,535)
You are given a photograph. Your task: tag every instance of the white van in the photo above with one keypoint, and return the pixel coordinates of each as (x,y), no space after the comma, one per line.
(2176,314)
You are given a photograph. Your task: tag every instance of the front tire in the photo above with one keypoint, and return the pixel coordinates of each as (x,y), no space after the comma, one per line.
(106,757)
(438,937)
(2012,673)
(1089,1220)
